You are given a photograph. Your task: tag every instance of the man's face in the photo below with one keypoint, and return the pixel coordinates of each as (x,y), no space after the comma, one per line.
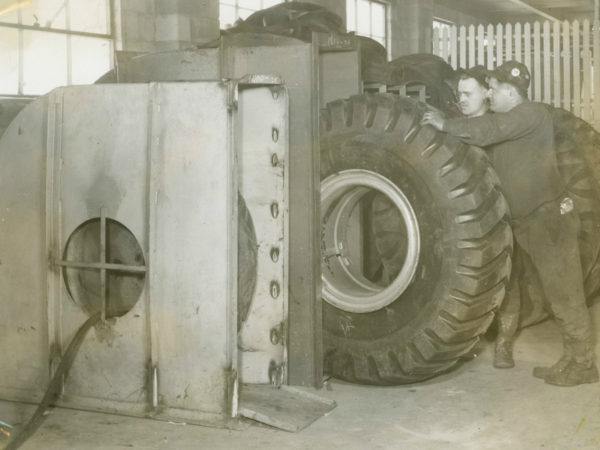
(500,96)
(472,97)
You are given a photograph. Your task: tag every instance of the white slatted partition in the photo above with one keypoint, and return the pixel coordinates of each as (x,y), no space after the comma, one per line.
(462,51)
(576,70)
(490,47)
(556,63)
(546,55)
(563,57)
(566,49)
(499,45)
(508,37)
(480,47)
(537,66)
(527,50)
(472,46)
(587,75)
(518,42)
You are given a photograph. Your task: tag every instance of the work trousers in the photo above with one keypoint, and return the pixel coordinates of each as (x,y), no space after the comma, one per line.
(546,244)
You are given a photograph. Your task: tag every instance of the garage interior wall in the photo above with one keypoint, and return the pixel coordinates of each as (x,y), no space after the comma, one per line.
(156,25)
(443,10)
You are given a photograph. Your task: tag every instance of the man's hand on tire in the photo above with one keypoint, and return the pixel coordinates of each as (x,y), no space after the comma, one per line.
(435,118)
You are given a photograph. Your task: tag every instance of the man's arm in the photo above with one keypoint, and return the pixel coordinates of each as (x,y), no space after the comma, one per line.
(488,129)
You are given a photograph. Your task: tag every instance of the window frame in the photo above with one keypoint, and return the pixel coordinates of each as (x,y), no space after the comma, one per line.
(387,38)
(21,28)
(236,5)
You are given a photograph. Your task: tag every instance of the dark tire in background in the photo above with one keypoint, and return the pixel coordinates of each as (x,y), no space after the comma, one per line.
(433,307)
(577,147)
(247,252)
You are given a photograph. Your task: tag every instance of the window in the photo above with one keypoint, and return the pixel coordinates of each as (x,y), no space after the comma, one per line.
(232,10)
(50,43)
(368,18)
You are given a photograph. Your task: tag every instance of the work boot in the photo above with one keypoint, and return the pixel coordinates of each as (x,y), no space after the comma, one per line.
(565,359)
(543,372)
(503,355)
(574,374)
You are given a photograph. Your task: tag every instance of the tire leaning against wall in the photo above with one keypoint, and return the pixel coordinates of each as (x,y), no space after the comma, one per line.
(466,243)
(577,147)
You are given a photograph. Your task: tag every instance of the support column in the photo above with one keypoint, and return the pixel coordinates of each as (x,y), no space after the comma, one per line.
(411,26)
(181,23)
(155,25)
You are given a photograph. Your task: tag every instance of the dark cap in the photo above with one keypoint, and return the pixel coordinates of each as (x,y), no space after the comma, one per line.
(480,73)
(514,73)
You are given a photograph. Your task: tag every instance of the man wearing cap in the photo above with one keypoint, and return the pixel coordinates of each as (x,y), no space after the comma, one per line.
(472,91)
(473,101)
(520,139)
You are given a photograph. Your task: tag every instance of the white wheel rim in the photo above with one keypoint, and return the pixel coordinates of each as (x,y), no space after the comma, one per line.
(342,287)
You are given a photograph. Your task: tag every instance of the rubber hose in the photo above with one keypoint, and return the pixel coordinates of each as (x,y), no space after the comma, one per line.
(54,390)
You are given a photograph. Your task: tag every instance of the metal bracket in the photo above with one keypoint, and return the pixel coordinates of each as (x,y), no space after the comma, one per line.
(250,80)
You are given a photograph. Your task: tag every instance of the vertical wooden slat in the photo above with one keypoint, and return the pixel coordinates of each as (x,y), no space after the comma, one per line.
(576,70)
(499,45)
(453,47)
(508,39)
(472,43)
(518,43)
(547,54)
(490,46)
(537,67)
(556,63)
(527,51)
(596,31)
(444,44)
(480,48)
(462,53)
(587,69)
(435,42)
(566,34)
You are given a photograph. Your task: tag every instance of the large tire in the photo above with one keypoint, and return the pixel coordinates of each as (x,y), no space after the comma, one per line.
(293,19)
(466,243)
(576,144)
(432,71)
(247,254)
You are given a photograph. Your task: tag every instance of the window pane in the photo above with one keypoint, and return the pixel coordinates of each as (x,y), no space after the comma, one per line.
(89,15)
(9,13)
(249,4)
(363,14)
(45,61)
(381,40)
(351,15)
(91,59)
(45,13)
(244,13)
(377,19)
(9,69)
(269,3)
(226,15)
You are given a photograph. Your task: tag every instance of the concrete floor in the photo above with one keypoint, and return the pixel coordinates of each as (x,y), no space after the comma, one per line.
(474,407)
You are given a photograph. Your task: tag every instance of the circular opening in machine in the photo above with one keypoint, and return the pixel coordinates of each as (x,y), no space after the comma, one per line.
(117,278)
(348,284)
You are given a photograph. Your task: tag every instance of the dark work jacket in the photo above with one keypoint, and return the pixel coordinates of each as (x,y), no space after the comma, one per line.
(521,146)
